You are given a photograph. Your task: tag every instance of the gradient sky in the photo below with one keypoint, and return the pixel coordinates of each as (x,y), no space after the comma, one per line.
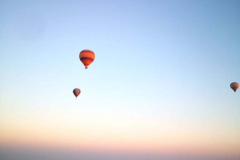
(159,87)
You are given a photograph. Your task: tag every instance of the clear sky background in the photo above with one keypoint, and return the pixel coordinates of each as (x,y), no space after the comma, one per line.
(159,87)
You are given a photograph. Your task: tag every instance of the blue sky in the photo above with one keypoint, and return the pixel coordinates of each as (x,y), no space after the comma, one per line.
(173,60)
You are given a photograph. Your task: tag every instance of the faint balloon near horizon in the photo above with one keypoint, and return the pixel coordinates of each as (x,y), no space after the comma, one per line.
(76,92)
(234,86)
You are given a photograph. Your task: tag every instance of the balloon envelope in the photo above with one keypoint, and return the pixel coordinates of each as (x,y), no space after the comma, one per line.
(76,92)
(234,86)
(86,57)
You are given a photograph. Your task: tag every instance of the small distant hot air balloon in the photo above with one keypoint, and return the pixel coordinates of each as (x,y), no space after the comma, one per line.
(76,92)
(234,86)
(87,57)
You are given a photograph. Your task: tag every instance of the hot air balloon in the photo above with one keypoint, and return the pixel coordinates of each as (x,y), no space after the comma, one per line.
(234,86)
(87,57)
(76,92)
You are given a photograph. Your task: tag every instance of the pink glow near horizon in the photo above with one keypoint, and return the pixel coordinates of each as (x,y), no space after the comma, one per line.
(110,133)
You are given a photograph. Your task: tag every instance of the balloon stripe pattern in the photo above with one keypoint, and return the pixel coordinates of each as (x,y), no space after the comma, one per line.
(86,57)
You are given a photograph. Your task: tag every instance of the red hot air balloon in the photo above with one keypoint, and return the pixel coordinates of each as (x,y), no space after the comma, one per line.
(76,92)
(234,86)
(86,57)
